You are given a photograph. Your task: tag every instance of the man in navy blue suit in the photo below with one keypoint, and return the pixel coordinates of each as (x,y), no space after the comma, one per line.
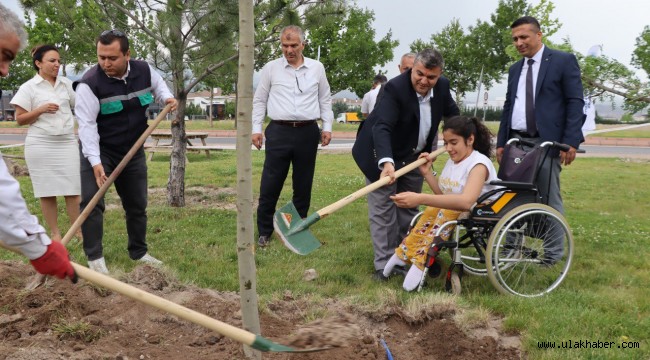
(544,102)
(402,125)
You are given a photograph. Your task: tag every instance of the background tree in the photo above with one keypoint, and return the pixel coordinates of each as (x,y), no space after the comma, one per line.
(485,46)
(194,38)
(191,40)
(20,72)
(348,49)
(338,108)
(604,77)
(73,26)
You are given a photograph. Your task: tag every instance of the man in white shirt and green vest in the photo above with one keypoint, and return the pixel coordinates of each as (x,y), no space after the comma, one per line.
(111,104)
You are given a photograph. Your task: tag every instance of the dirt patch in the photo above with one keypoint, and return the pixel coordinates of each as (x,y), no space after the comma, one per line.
(15,169)
(195,196)
(64,321)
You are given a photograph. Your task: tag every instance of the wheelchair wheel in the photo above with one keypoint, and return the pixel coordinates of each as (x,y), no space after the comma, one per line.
(534,248)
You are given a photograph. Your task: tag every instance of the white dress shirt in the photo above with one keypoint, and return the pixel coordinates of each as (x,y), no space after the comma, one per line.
(369,100)
(38,91)
(19,228)
(87,109)
(519,108)
(425,124)
(287,93)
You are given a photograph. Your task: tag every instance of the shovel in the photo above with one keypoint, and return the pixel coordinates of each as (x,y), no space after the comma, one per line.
(294,231)
(39,279)
(242,336)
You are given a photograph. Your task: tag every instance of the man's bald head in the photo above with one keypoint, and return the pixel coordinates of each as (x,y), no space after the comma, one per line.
(406,63)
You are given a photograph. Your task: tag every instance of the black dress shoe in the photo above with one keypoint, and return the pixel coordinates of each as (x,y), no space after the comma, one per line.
(400,270)
(263,240)
(379,275)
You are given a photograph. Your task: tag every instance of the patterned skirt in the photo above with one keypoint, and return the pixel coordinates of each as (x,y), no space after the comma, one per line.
(415,245)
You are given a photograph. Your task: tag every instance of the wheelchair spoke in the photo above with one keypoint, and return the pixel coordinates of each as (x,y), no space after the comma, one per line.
(530,251)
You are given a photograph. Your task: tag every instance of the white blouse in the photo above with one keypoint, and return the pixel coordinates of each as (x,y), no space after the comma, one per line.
(38,91)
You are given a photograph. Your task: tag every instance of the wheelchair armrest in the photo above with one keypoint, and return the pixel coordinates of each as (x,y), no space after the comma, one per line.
(514,185)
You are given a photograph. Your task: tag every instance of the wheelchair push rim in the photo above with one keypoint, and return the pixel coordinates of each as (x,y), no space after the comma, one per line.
(518,240)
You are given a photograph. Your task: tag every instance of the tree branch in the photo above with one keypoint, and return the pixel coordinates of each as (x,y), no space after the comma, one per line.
(142,26)
(209,70)
(609,89)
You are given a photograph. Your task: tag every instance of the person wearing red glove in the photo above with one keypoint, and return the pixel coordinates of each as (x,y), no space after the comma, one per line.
(18,228)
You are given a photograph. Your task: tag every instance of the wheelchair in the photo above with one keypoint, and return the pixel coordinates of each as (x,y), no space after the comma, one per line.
(510,235)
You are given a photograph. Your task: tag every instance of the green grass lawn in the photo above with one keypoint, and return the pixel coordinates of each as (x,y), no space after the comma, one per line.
(204,125)
(605,296)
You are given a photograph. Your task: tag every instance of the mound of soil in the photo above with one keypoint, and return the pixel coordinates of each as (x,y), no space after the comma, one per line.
(60,320)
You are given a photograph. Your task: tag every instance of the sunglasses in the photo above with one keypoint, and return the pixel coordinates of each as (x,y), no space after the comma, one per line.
(114,33)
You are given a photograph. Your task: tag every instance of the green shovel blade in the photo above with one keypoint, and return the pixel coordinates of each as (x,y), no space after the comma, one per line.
(294,231)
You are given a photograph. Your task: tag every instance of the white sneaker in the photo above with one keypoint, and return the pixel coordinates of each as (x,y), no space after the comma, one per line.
(98,265)
(148,259)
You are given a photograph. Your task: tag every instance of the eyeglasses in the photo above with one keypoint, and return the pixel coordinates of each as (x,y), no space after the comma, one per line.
(298,84)
(114,33)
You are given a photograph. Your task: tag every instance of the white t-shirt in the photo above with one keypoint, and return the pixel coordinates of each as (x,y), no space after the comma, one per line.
(369,100)
(38,91)
(453,177)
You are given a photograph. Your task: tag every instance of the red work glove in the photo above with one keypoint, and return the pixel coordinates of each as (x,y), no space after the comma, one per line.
(55,262)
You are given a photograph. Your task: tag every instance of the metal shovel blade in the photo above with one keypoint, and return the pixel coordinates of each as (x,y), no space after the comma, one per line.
(294,231)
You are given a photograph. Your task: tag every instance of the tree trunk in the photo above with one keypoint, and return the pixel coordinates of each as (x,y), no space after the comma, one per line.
(245,230)
(176,182)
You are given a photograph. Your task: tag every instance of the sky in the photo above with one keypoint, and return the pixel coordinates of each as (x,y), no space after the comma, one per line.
(613,24)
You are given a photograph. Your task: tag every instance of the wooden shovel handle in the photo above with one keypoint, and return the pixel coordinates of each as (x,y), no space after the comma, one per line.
(111,179)
(376,185)
(144,297)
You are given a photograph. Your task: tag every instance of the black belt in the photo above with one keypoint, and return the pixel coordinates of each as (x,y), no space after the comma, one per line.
(292,123)
(523,134)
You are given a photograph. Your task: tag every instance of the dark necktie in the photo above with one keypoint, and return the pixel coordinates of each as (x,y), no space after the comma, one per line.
(531,127)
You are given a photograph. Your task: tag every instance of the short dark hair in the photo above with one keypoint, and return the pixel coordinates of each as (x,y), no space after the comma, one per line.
(430,58)
(39,51)
(526,20)
(107,37)
(380,79)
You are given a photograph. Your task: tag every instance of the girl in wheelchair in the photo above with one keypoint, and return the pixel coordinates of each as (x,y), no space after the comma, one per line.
(461,182)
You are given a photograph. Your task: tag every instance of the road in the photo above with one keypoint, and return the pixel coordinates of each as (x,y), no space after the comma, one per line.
(346,144)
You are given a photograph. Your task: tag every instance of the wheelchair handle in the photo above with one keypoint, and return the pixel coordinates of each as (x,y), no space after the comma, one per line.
(555,144)
(521,141)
